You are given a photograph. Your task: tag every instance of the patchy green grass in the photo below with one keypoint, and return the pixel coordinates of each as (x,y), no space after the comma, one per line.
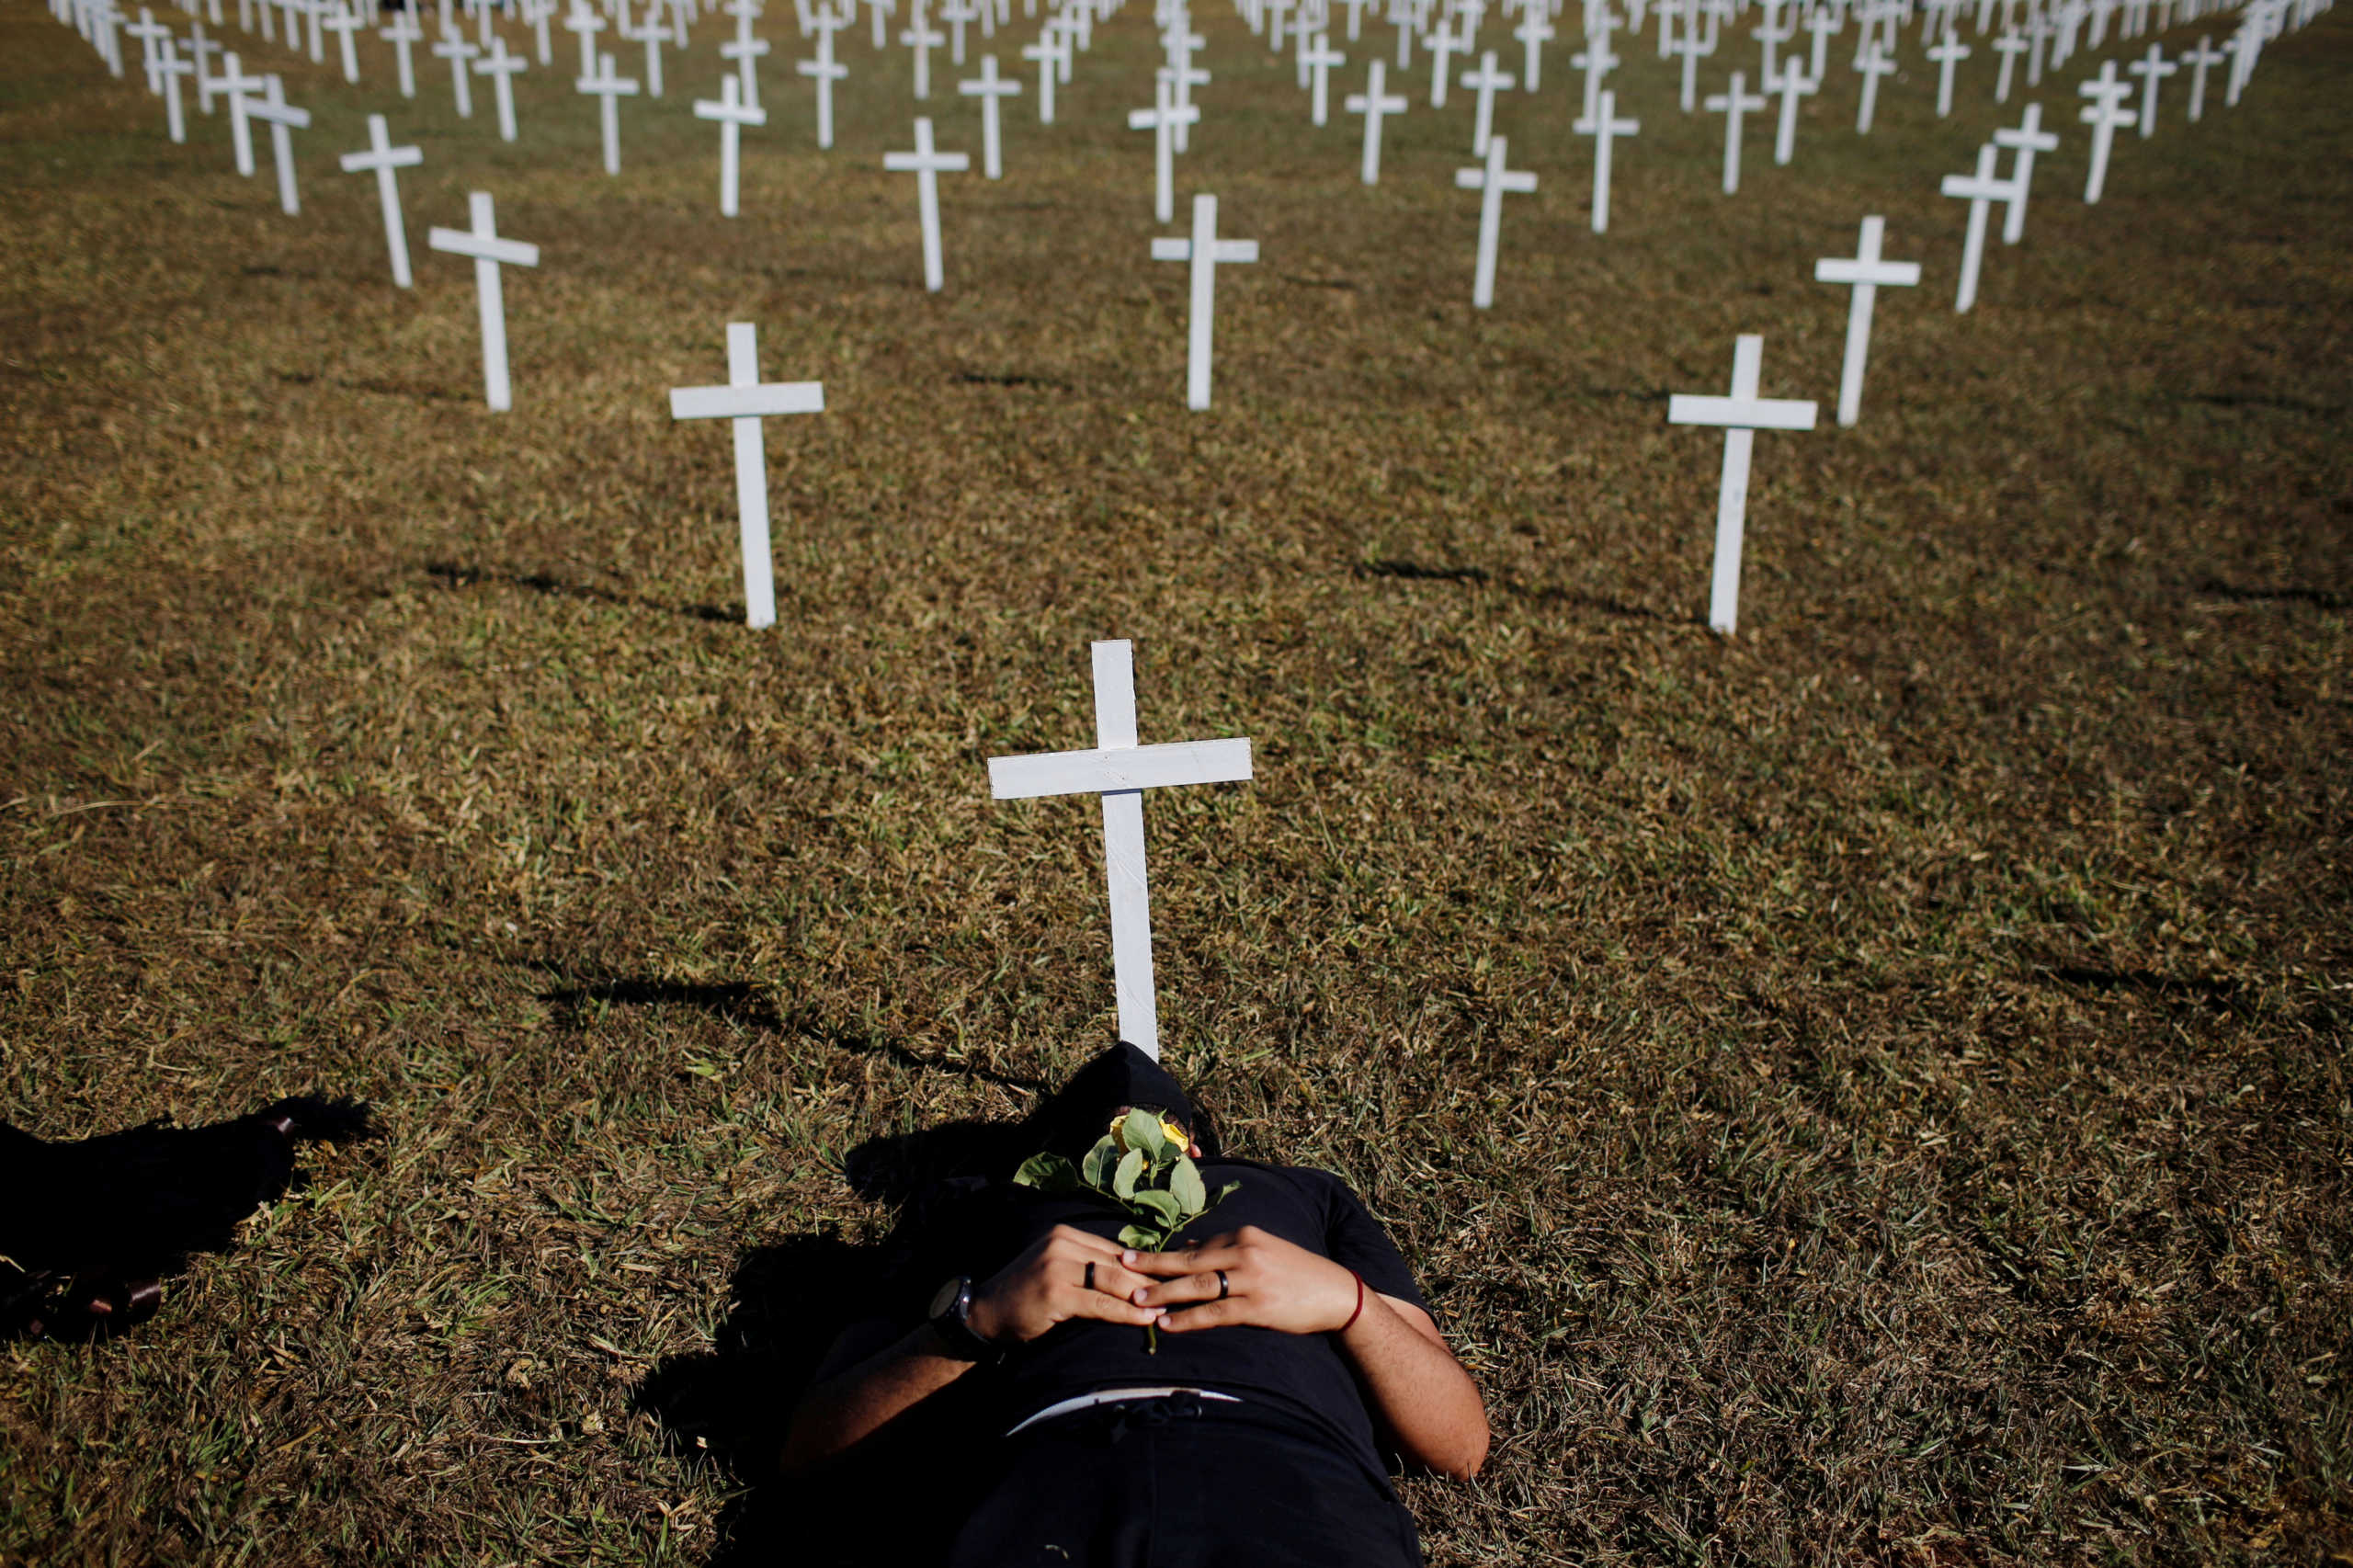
(1872,1090)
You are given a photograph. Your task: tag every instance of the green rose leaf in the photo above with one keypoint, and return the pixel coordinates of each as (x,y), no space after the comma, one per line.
(1101,1161)
(1123,1180)
(1228,1191)
(1185,1187)
(1162,1205)
(1141,1131)
(1049,1173)
(1144,1238)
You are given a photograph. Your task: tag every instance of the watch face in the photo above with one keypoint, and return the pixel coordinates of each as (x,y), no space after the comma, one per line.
(945,1297)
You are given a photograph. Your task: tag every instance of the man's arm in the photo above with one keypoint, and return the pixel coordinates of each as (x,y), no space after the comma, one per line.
(1045,1286)
(1418,1389)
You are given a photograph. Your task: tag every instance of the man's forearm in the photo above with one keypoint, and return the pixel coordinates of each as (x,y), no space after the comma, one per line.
(1420,1390)
(853,1403)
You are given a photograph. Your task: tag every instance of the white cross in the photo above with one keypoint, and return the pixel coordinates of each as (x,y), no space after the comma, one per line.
(881,8)
(170,67)
(1206,252)
(1533,33)
(1948,55)
(2152,69)
(1732,106)
(826,71)
(454,49)
(1980,190)
(1162,121)
(1120,771)
(1322,59)
(650,33)
(745,51)
(585,25)
(2106,115)
(1356,17)
(732,114)
(2011,45)
(747,400)
(500,68)
(234,81)
(147,30)
(2027,139)
(2199,60)
(1873,65)
(923,39)
(1181,43)
(200,49)
(1691,49)
(956,16)
(283,119)
(1442,45)
(610,90)
(1823,24)
(1597,62)
(1791,87)
(489,252)
(400,35)
(1604,130)
(928,166)
(381,159)
(1484,81)
(988,87)
(313,12)
(1373,104)
(1491,181)
(1772,36)
(1741,416)
(1867,274)
(343,23)
(1050,49)
(538,13)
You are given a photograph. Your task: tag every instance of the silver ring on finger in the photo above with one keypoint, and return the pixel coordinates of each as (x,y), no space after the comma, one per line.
(1224,1286)
(1090,1276)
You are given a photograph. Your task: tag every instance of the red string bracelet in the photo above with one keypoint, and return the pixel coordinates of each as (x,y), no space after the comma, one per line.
(1352,1316)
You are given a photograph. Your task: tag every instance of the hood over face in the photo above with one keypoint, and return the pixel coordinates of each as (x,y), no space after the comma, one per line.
(1069,1121)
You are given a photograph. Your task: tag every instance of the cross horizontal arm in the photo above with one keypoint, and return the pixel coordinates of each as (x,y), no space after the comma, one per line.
(1740,412)
(281,114)
(748,402)
(389,158)
(484,247)
(1846,269)
(1121,767)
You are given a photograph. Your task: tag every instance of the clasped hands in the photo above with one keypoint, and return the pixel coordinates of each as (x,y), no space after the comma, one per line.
(1274,1284)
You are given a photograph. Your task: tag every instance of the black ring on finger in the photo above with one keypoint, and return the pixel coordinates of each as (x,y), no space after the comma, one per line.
(1224,1286)
(1090,1276)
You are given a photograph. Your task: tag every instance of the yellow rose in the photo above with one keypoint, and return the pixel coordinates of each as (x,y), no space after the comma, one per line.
(1170,1129)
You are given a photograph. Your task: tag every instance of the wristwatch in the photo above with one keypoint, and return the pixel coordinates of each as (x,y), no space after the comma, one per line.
(951,1307)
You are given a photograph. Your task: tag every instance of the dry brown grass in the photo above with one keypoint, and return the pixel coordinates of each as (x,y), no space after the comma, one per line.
(1874,1090)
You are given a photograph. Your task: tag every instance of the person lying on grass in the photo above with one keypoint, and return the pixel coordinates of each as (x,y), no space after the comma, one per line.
(1222,1398)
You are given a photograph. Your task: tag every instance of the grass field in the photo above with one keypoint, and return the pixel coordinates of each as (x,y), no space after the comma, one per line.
(1871,1090)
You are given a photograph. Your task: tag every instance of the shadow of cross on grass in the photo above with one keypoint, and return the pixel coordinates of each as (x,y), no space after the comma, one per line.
(886,1501)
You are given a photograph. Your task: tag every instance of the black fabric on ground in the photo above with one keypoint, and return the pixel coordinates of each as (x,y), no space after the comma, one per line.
(1071,1120)
(1182,1483)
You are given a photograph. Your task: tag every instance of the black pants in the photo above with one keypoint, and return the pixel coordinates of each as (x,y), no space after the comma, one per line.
(1183,1482)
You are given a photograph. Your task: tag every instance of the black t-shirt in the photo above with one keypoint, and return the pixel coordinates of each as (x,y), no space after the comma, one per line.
(974,1226)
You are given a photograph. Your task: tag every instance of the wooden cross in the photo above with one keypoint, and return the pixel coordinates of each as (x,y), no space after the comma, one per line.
(1206,252)
(501,68)
(732,114)
(988,87)
(2105,115)
(489,252)
(2026,139)
(826,71)
(1162,121)
(1866,274)
(381,159)
(1979,190)
(608,89)
(283,119)
(928,166)
(747,400)
(1604,129)
(1491,181)
(1733,106)
(1119,771)
(1484,81)
(1373,104)
(1741,416)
